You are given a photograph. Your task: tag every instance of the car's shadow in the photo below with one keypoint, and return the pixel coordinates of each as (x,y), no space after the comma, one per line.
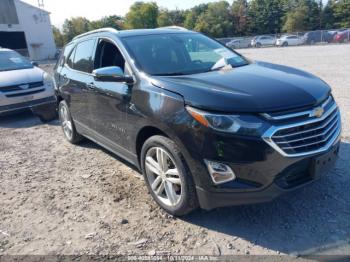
(23,119)
(315,218)
(86,143)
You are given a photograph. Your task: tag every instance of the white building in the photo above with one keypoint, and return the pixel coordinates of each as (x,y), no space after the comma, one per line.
(26,28)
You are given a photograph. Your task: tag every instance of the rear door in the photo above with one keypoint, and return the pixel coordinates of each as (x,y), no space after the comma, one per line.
(77,80)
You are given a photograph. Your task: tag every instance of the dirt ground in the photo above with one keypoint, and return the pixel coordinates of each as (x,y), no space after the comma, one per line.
(56,198)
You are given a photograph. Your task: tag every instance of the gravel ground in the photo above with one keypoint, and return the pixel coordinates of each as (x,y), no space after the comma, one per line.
(57,198)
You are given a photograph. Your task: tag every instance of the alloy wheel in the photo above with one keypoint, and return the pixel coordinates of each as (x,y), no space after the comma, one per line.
(66,122)
(163,176)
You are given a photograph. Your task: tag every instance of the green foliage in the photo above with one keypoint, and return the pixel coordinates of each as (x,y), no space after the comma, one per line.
(306,15)
(222,19)
(142,15)
(240,16)
(342,13)
(216,20)
(173,17)
(58,36)
(265,16)
(192,15)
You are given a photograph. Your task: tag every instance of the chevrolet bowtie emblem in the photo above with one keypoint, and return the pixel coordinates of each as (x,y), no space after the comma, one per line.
(317,112)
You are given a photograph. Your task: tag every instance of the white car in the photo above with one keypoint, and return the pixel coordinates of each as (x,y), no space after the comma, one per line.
(239,43)
(23,85)
(287,40)
(263,40)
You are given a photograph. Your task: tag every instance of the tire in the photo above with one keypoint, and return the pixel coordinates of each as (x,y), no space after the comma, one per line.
(67,124)
(181,188)
(46,113)
(258,45)
(285,44)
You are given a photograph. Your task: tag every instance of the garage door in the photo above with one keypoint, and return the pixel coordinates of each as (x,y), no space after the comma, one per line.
(14,40)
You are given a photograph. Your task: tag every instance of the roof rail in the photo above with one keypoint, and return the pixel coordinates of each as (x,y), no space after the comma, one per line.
(101,30)
(175,27)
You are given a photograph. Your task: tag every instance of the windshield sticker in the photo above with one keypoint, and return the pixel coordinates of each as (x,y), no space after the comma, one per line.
(237,59)
(16,60)
(223,52)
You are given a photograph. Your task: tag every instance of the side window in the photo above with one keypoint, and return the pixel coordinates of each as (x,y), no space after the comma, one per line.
(64,55)
(83,56)
(71,58)
(108,54)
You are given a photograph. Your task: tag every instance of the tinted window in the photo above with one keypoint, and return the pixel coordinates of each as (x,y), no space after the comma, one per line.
(71,58)
(64,55)
(83,56)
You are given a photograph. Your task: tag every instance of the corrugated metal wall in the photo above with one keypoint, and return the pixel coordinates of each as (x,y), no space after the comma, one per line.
(8,13)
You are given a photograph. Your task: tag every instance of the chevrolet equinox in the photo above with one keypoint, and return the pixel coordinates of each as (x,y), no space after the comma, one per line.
(206,126)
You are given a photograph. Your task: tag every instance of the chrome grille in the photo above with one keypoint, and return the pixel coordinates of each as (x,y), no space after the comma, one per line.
(308,136)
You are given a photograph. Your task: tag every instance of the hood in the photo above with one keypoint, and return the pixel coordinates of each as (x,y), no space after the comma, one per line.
(23,76)
(259,87)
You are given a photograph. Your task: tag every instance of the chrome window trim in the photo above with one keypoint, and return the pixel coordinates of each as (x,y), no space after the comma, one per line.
(298,114)
(267,136)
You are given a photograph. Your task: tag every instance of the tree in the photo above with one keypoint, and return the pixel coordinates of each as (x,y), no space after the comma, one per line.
(192,15)
(305,16)
(265,16)
(342,13)
(239,16)
(328,16)
(58,36)
(295,20)
(142,15)
(112,21)
(75,26)
(173,17)
(216,21)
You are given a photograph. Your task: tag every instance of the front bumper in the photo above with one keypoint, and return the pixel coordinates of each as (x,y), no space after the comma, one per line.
(285,178)
(27,105)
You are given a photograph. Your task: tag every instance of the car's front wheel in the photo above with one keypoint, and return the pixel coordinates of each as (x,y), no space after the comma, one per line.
(167,176)
(67,124)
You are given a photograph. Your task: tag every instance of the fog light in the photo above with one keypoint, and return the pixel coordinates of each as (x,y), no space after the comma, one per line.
(219,172)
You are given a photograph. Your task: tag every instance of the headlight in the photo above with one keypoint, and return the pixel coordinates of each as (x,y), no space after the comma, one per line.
(238,124)
(48,81)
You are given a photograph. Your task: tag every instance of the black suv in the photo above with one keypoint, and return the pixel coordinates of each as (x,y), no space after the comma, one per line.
(206,126)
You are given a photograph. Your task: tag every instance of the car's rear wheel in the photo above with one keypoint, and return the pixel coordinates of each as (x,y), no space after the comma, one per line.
(167,176)
(67,124)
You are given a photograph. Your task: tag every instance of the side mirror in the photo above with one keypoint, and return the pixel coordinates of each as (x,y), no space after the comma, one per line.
(111,74)
(35,64)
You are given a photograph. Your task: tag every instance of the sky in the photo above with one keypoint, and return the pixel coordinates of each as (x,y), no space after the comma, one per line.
(95,9)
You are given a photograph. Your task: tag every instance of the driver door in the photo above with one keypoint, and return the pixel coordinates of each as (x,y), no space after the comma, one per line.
(111,99)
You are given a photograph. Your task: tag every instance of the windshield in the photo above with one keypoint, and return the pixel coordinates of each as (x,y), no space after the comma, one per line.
(180,54)
(10,60)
